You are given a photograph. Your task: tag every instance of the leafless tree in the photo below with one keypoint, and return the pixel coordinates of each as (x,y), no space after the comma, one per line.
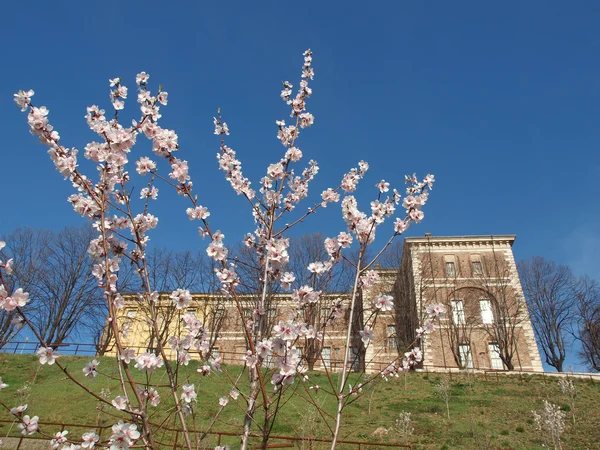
(304,249)
(169,270)
(587,293)
(508,306)
(548,289)
(57,272)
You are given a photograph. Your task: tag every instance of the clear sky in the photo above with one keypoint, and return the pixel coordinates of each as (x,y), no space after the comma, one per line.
(500,100)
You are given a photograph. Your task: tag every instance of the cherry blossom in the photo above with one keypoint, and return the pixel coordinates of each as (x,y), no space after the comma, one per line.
(47,355)
(120,402)
(126,355)
(59,438)
(89,439)
(123,435)
(90,369)
(28,425)
(383,186)
(148,362)
(23,99)
(436,310)
(199,212)
(188,394)
(250,359)
(18,299)
(367,335)
(142,78)
(181,298)
(2,384)
(384,303)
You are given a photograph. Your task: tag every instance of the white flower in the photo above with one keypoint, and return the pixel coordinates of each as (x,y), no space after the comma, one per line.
(28,425)
(120,402)
(188,394)
(47,355)
(89,439)
(90,369)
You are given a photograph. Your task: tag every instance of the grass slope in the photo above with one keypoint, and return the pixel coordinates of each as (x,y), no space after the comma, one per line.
(493,413)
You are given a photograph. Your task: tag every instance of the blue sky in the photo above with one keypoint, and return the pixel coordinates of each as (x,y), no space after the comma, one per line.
(501,101)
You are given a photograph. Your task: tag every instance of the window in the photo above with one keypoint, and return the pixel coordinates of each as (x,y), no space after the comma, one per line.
(219,313)
(487,316)
(450,269)
(466,359)
(450,265)
(458,312)
(191,311)
(476,267)
(248,313)
(325,313)
(391,337)
(131,313)
(494,350)
(271,313)
(326,356)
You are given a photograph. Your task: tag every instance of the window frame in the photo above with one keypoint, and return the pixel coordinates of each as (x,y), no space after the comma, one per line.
(465,352)
(458,314)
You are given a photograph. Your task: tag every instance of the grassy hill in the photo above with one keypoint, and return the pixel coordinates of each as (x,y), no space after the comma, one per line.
(492,413)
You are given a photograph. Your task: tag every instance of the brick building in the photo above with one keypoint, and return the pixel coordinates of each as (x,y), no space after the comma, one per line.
(487,324)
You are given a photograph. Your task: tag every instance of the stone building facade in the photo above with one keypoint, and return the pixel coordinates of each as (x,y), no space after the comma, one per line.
(487,324)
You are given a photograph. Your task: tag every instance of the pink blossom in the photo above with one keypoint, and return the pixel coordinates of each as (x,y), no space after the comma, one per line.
(223,401)
(90,369)
(188,394)
(329,195)
(47,355)
(199,212)
(221,128)
(89,439)
(384,302)
(123,435)
(250,359)
(142,78)
(127,355)
(120,402)
(18,299)
(383,186)
(145,165)
(148,362)
(400,226)
(181,298)
(293,154)
(436,310)
(367,335)
(23,99)
(286,280)
(28,425)
(162,97)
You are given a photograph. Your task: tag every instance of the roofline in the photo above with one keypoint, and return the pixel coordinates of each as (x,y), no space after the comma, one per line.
(475,238)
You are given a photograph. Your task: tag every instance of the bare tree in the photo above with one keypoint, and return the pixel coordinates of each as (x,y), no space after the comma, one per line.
(56,271)
(9,320)
(508,307)
(169,270)
(587,293)
(548,289)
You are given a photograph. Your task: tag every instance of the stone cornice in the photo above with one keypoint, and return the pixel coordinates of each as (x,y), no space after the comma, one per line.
(479,241)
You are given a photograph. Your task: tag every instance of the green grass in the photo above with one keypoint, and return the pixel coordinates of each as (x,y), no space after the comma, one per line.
(496,410)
